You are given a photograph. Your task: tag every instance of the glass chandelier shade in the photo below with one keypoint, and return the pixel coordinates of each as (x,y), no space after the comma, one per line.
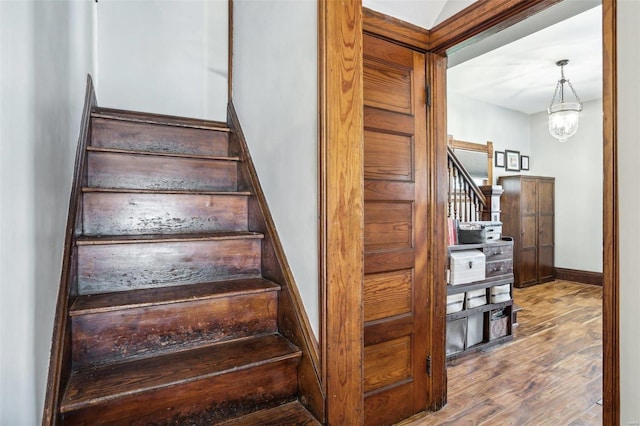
(563,115)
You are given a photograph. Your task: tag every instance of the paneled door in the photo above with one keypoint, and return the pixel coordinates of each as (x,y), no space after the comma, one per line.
(395,232)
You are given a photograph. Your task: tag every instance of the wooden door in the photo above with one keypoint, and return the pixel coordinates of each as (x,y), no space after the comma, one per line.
(395,239)
(529,232)
(546,198)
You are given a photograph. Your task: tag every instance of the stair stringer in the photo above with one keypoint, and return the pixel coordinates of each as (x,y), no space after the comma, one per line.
(60,356)
(293,321)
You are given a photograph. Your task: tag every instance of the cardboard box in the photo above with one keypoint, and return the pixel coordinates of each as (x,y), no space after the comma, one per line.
(475,298)
(455,302)
(500,293)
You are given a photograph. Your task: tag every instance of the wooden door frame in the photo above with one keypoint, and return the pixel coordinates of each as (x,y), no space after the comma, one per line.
(340,160)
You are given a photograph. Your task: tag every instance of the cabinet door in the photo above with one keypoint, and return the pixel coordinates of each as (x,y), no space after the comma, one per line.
(528,273)
(546,218)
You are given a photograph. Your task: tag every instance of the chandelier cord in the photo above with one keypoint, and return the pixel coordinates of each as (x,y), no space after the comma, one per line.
(560,87)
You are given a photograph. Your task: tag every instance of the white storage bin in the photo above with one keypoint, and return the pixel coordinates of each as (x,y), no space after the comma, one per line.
(466,266)
(475,298)
(455,303)
(475,329)
(500,293)
(456,335)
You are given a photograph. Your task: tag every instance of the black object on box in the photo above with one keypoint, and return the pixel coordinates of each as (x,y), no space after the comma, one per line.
(471,236)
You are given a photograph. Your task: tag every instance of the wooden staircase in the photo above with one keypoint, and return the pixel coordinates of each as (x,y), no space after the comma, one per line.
(169,318)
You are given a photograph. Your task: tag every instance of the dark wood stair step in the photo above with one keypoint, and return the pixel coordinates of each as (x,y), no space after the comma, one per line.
(161,191)
(291,413)
(120,168)
(209,384)
(105,302)
(158,137)
(132,212)
(165,238)
(140,323)
(130,262)
(151,118)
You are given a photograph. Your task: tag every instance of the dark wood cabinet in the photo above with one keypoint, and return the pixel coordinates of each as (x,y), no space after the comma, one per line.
(528,215)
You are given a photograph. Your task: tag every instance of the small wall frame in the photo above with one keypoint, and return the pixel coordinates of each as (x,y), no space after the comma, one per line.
(512,161)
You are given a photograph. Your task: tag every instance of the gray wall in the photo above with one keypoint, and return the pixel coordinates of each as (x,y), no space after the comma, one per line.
(629,197)
(165,57)
(478,122)
(45,54)
(275,94)
(577,166)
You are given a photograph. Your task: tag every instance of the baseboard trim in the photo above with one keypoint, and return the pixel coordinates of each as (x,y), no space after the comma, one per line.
(584,277)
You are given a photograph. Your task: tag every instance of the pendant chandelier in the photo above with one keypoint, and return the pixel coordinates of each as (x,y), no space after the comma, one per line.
(563,116)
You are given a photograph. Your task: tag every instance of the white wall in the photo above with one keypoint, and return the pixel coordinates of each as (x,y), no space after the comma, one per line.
(45,55)
(478,122)
(577,167)
(164,56)
(629,198)
(275,94)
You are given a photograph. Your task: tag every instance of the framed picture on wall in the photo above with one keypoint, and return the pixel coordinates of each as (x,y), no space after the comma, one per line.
(524,162)
(512,161)
(499,159)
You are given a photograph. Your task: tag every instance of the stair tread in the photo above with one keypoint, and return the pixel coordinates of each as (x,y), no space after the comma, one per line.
(94,385)
(167,120)
(162,191)
(159,154)
(165,238)
(89,304)
(291,413)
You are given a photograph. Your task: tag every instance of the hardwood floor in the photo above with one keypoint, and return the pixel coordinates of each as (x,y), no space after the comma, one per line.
(550,374)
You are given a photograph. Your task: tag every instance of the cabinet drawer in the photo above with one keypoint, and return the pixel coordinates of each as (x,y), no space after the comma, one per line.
(498,251)
(498,267)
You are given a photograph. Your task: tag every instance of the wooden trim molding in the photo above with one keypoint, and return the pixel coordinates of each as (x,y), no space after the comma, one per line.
(60,360)
(481,19)
(341,156)
(437,143)
(395,30)
(611,273)
(584,277)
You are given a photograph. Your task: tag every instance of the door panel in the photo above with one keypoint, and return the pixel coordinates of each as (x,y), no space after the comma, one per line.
(528,266)
(546,237)
(396,194)
(387,294)
(529,196)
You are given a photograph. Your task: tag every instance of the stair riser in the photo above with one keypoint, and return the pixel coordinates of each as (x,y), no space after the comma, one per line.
(131,171)
(199,402)
(117,335)
(118,267)
(134,214)
(119,134)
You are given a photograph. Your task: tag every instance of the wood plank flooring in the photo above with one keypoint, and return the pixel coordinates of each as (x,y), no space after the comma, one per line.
(550,374)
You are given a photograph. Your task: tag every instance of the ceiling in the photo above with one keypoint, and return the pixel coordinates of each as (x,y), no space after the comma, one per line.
(515,68)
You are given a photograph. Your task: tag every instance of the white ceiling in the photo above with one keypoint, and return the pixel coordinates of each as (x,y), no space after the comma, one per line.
(423,13)
(516,68)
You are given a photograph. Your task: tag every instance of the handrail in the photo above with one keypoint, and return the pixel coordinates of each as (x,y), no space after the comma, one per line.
(59,361)
(475,195)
